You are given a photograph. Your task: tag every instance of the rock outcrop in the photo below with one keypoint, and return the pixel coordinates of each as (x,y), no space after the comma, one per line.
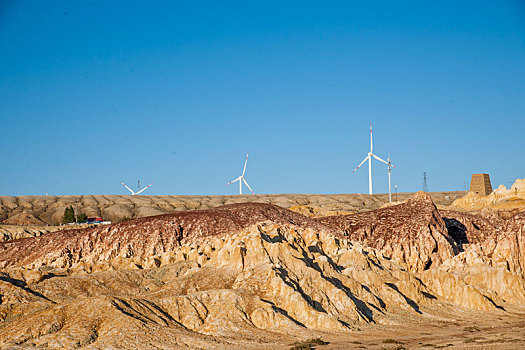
(9,233)
(500,199)
(412,233)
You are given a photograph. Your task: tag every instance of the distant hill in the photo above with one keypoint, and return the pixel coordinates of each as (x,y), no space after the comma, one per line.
(50,209)
(23,218)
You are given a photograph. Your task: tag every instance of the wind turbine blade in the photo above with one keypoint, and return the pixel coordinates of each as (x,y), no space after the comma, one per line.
(129,189)
(237,179)
(364,160)
(247,185)
(379,159)
(246,161)
(144,189)
(371,144)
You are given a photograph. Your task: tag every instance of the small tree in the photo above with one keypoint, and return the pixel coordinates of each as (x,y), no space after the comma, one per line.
(69,215)
(82,218)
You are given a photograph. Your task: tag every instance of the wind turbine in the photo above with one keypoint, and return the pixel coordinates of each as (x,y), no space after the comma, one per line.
(369,158)
(241,178)
(138,192)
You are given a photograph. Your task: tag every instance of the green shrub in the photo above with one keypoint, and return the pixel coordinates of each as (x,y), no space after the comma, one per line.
(307,344)
(81,218)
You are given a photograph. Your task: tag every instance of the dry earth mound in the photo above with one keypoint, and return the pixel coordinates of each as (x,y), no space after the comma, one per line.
(50,209)
(23,218)
(260,276)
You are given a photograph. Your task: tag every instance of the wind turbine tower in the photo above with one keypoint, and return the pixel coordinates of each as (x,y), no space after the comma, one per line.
(241,178)
(369,159)
(390,166)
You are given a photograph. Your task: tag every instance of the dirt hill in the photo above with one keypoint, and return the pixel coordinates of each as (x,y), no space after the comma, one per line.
(23,218)
(50,209)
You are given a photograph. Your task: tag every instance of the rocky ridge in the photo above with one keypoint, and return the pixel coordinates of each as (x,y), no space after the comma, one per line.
(413,232)
(256,276)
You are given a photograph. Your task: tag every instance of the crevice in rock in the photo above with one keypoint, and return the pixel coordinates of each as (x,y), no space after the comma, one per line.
(428,264)
(23,285)
(409,301)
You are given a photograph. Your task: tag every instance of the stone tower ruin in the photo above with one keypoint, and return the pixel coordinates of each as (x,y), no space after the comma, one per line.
(480,184)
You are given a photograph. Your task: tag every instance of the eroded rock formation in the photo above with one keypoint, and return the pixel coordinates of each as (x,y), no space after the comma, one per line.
(413,232)
(249,275)
(500,199)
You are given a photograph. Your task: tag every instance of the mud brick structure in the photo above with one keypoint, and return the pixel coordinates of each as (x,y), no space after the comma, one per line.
(480,184)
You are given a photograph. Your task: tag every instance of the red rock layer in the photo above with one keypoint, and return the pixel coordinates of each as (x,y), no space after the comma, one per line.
(143,237)
(415,233)
(471,228)
(499,237)
(412,232)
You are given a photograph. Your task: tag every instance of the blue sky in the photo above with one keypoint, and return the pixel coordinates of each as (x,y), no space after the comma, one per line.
(97,92)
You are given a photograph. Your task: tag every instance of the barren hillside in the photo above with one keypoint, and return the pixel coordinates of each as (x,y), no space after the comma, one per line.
(50,209)
(259,276)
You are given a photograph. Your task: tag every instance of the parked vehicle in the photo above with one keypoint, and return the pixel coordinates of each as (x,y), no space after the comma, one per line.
(95,220)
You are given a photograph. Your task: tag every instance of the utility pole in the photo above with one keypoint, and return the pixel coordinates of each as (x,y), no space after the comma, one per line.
(389,174)
(425,183)
(396,192)
(76,216)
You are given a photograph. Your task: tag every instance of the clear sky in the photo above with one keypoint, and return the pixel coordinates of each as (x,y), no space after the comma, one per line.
(176,92)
